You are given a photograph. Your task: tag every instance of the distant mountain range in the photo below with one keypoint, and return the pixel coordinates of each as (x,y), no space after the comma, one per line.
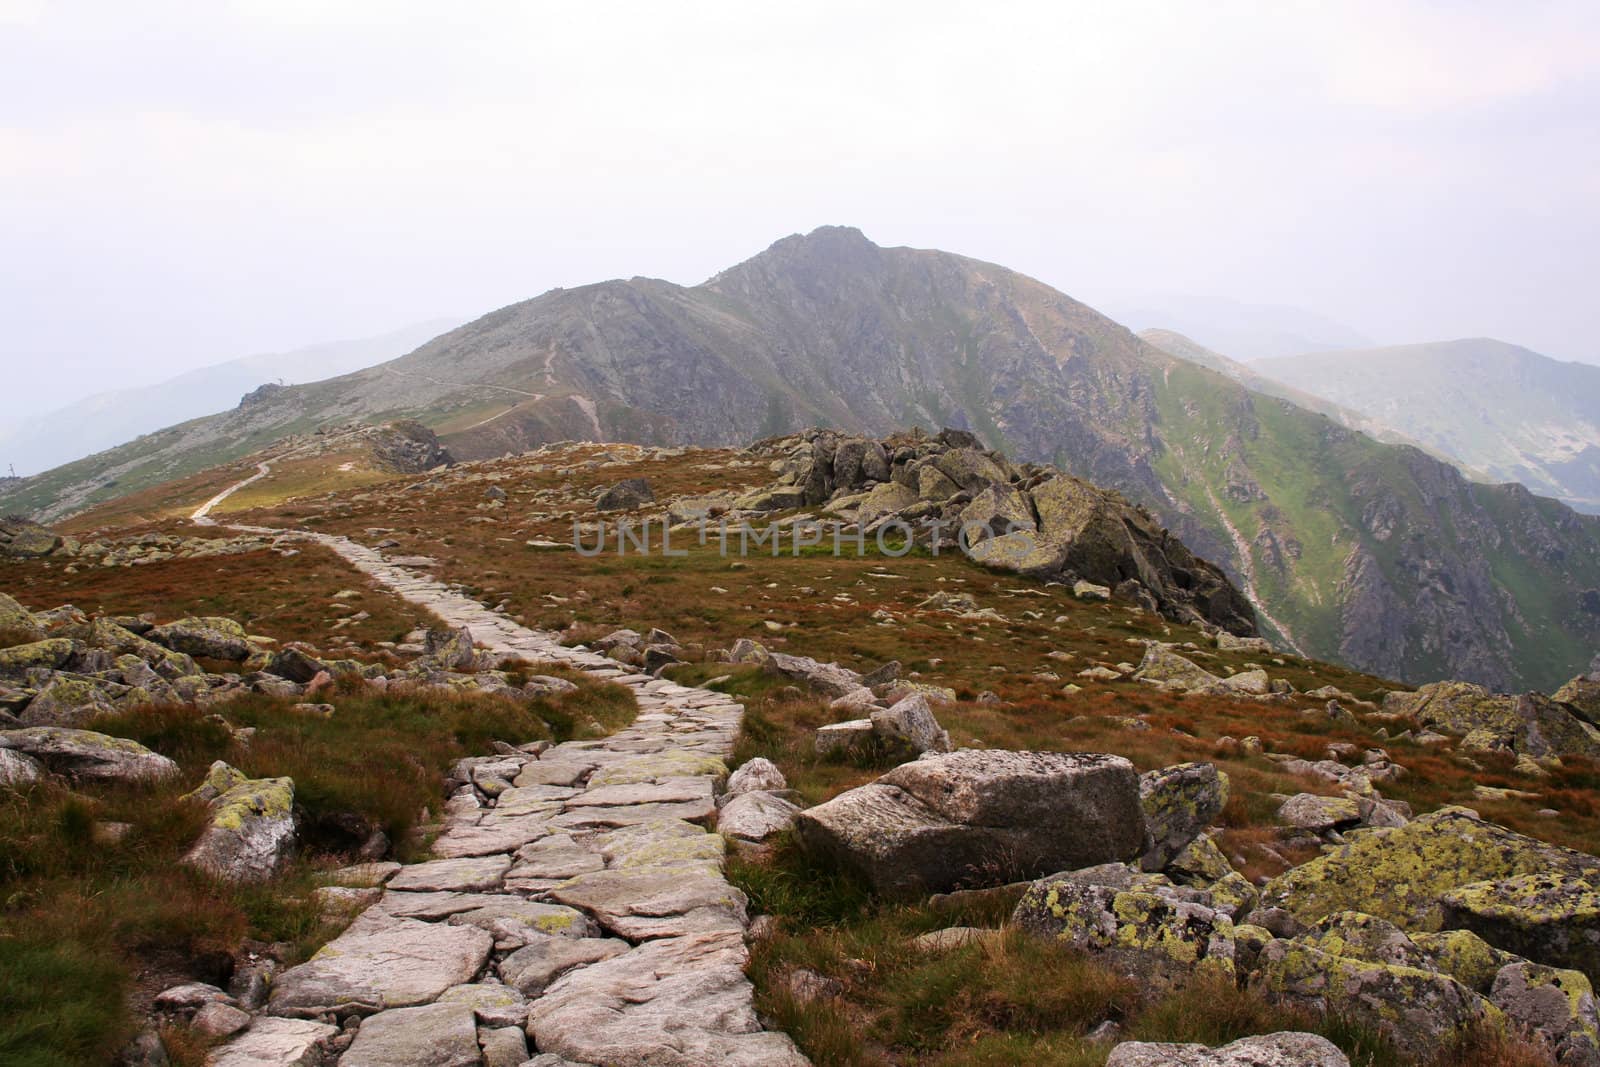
(1243,331)
(1375,554)
(98,422)
(1510,413)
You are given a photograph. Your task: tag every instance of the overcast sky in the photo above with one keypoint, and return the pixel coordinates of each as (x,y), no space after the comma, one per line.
(184,184)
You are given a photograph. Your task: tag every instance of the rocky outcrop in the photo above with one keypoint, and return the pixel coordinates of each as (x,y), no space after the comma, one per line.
(1529,725)
(627,495)
(1025,518)
(974,818)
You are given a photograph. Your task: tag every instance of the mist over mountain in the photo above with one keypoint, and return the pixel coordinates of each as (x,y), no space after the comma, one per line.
(97,422)
(1243,331)
(1374,554)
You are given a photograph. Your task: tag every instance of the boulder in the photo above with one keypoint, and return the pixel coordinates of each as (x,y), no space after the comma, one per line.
(1287,1049)
(884,501)
(450,650)
(1421,1011)
(1159,933)
(17,621)
(756,774)
(88,755)
(970,469)
(295,664)
(627,495)
(973,818)
(381,962)
(48,654)
(845,738)
(1179,802)
(251,832)
(210,637)
(1551,915)
(1583,695)
(68,701)
(908,727)
(1557,1005)
(998,509)
(1408,875)
(1164,667)
(1319,814)
(830,679)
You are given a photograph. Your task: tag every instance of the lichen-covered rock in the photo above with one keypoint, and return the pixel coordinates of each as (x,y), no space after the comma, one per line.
(1179,802)
(1308,811)
(829,679)
(209,637)
(1268,1050)
(19,621)
(1404,874)
(251,832)
(1464,956)
(449,650)
(909,727)
(1556,1005)
(1551,915)
(1164,667)
(1150,930)
(48,654)
(1358,936)
(86,754)
(1199,864)
(1420,1011)
(70,701)
(1529,724)
(1583,695)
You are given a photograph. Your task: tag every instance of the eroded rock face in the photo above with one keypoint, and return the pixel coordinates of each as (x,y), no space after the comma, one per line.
(974,818)
(1268,1050)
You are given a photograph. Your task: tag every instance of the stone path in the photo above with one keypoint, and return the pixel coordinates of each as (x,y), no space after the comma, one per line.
(581,914)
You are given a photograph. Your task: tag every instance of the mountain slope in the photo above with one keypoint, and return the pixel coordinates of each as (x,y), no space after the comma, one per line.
(1375,554)
(1514,414)
(101,421)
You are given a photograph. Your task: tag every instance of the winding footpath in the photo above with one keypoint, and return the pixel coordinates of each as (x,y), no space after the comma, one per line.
(581,916)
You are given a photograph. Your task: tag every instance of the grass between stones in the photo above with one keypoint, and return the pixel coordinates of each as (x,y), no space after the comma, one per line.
(92,926)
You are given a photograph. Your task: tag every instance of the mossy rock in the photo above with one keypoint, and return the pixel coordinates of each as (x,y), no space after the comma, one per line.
(1550,915)
(48,654)
(1421,1011)
(1403,874)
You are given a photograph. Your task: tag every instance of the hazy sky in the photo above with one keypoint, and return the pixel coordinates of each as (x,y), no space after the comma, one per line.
(181,184)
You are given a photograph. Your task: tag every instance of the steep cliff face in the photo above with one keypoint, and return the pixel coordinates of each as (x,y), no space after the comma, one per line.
(1372,553)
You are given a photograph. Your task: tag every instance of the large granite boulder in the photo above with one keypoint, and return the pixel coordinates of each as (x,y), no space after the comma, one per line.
(629,494)
(973,818)
(1530,724)
(48,654)
(908,728)
(88,755)
(210,637)
(1558,1005)
(1550,915)
(829,679)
